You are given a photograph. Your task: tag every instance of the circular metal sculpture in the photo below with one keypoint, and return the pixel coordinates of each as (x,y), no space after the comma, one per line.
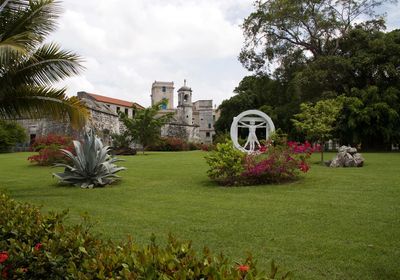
(251,120)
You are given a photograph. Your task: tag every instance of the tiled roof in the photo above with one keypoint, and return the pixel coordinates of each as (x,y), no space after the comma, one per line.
(105,99)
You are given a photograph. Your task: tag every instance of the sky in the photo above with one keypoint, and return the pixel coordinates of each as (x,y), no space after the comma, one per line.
(128,44)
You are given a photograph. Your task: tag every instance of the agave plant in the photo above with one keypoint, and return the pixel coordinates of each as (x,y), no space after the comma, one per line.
(93,166)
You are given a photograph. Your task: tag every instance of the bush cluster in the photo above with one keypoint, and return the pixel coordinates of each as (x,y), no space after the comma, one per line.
(174,144)
(48,148)
(38,246)
(275,162)
(11,133)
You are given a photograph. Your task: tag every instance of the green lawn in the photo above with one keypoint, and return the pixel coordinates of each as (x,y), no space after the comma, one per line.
(332,224)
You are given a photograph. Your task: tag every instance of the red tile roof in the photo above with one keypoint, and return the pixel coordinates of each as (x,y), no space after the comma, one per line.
(115,101)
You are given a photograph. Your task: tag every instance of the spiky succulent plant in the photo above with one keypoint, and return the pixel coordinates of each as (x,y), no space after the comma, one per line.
(92,166)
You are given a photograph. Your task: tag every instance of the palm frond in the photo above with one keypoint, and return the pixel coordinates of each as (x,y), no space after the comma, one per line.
(13,5)
(12,49)
(38,20)
(49,64)
(37,102)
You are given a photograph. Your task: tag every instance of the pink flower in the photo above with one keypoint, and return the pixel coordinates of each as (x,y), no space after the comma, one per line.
(38,246)
(243,268)
(3,256)
(304,166)
(4,272)
(263,149)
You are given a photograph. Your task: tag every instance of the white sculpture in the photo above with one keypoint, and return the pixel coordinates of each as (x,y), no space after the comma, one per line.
(252,120)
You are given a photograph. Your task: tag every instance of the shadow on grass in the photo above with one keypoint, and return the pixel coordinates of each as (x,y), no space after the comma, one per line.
(299,183)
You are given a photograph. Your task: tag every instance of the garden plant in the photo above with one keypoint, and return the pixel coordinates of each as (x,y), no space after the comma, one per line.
(49,149)
(92,166)
(38,246)
(276,162)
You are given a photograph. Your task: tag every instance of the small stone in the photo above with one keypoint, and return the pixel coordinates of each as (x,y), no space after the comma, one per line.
(348,160)
(342,149)
(358,160)
(352,151)
(347,157)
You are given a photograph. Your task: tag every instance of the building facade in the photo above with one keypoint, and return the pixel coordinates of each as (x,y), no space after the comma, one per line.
(193,121)
(103,118)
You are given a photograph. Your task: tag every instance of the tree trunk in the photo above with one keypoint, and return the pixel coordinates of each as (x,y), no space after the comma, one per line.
(322,155)
(322,151)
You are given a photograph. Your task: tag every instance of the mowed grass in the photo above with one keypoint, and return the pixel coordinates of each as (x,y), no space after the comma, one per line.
(331,224)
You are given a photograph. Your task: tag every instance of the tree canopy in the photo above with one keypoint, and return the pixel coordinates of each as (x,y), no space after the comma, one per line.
(359,61)
(29,67)
(317,121)
(314,28)
(144,127)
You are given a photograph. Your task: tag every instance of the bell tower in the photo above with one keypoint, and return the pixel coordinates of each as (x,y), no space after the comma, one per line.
(185,106)
(163,91)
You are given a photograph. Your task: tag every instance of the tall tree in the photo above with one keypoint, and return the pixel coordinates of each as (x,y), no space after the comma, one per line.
(366,71)
(144,127)
(29,67)
(279,28)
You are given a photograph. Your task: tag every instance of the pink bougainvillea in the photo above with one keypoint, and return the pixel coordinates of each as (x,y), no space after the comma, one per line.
(277,163)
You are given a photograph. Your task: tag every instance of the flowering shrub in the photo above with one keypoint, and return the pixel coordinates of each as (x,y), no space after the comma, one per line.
(276,164)
(50,139)
(48,148)
(37,246)
(272,163)
(173,144)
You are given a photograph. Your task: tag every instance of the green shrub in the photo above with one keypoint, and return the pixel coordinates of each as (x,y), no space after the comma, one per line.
(122,140)
(226,164)
(38,246)
(276,161)
(92,166)
(169,144)
(11,133)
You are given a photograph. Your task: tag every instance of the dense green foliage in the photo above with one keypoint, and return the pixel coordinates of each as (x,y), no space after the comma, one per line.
(29,67)
(333,223)
(225,164)
(175,144)
(144,127)
(317,120)
(11,133)
(277,161)
(280,28)
(37,246)
(91,165)
(362,66)
(121,140)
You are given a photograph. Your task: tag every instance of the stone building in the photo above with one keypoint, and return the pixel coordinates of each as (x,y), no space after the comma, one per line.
(193,121)
(114,105)
(103,117)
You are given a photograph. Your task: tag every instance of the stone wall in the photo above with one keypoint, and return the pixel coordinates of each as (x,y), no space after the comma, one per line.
(101,119)
(186,132)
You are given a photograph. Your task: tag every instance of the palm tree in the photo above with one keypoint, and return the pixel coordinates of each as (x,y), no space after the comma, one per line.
(29,67)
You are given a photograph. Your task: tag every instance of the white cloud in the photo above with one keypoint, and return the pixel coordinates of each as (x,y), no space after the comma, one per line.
(127,44)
